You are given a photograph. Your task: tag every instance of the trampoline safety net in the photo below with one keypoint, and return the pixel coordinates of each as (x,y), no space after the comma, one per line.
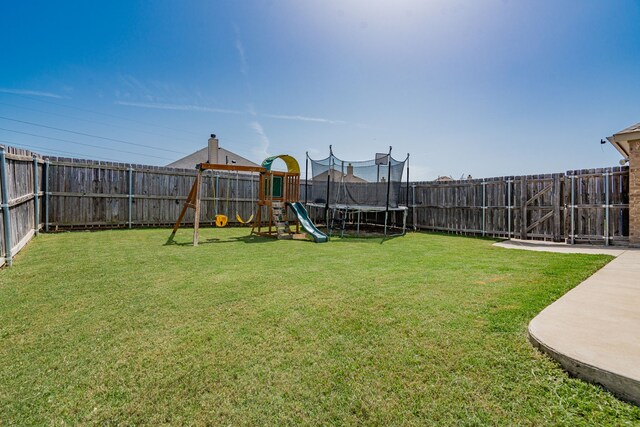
(366,183)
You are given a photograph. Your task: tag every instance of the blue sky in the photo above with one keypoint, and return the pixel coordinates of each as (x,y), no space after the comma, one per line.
(486,88)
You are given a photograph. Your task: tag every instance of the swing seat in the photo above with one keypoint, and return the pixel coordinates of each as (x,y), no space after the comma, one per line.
(221,220)
(242,221)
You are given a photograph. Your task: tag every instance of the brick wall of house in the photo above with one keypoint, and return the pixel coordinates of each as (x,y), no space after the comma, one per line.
(634,193)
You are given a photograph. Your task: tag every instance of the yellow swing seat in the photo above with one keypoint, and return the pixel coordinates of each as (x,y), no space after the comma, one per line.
(241,221)
(221,220)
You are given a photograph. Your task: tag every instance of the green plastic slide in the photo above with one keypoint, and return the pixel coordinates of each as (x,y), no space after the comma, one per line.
(305,222)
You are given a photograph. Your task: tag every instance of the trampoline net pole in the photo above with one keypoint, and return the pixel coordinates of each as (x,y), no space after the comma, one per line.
(306,180)
(386,214)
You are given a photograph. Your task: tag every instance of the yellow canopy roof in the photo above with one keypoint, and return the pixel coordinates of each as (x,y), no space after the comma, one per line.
(292,164)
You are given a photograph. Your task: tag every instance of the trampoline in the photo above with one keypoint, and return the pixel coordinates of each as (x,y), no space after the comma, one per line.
(358,195)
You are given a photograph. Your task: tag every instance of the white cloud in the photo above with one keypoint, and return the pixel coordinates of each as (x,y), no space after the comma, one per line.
(261,151)
(243,57)
(241,52)
(178,107)
(135,84)
(303,118)
(31,92)
(199,108)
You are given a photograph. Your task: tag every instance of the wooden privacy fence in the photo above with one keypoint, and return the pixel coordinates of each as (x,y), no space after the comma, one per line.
(91,194)
(21,191)
(578,206)
(63,193)
(57,193)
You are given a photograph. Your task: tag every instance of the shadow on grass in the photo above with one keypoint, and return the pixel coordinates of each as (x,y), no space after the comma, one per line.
(171,242)
(244,239)
(252,238)
(366,238)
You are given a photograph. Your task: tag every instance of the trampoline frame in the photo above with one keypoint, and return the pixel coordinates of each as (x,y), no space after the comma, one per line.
(358,210)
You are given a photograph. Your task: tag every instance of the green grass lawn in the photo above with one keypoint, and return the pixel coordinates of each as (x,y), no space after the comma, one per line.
(115,327)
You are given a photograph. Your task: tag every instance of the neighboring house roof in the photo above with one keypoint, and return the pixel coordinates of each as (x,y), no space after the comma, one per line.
(337,176)
(631,129)
(200,156)
(444,178)
(621,139)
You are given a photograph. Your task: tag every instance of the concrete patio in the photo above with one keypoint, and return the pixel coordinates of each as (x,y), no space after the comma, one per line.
(593,331)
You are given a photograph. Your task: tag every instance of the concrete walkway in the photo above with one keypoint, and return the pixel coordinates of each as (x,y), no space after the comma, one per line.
(593,331)
(562,247)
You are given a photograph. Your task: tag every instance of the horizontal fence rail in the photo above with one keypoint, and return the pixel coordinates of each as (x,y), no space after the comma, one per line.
(56,193)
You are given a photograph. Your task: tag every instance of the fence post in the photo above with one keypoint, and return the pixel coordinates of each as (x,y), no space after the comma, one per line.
(573,210)
(606,208)
(413,196)
(509,207)
(523,208)
(557,200)
(5,209)
(36,200)
(46,195)
(130,193)
(484,207)
(216,196)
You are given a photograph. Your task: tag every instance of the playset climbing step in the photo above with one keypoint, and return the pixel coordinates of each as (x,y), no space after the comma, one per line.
(280,222)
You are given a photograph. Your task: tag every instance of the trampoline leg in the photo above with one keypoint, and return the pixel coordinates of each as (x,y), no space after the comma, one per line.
(404,222)
(386,217)
(358,229)
(326,220)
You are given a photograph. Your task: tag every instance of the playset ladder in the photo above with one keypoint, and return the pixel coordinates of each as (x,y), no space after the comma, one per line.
(278,214)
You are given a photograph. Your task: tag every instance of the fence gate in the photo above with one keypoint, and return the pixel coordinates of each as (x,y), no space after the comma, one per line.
(540,207)
(598,206)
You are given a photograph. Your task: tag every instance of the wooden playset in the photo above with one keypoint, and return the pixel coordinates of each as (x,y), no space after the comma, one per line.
(276,191)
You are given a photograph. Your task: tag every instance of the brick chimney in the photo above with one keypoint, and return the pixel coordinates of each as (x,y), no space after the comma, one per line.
(349,169)
(213,150)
